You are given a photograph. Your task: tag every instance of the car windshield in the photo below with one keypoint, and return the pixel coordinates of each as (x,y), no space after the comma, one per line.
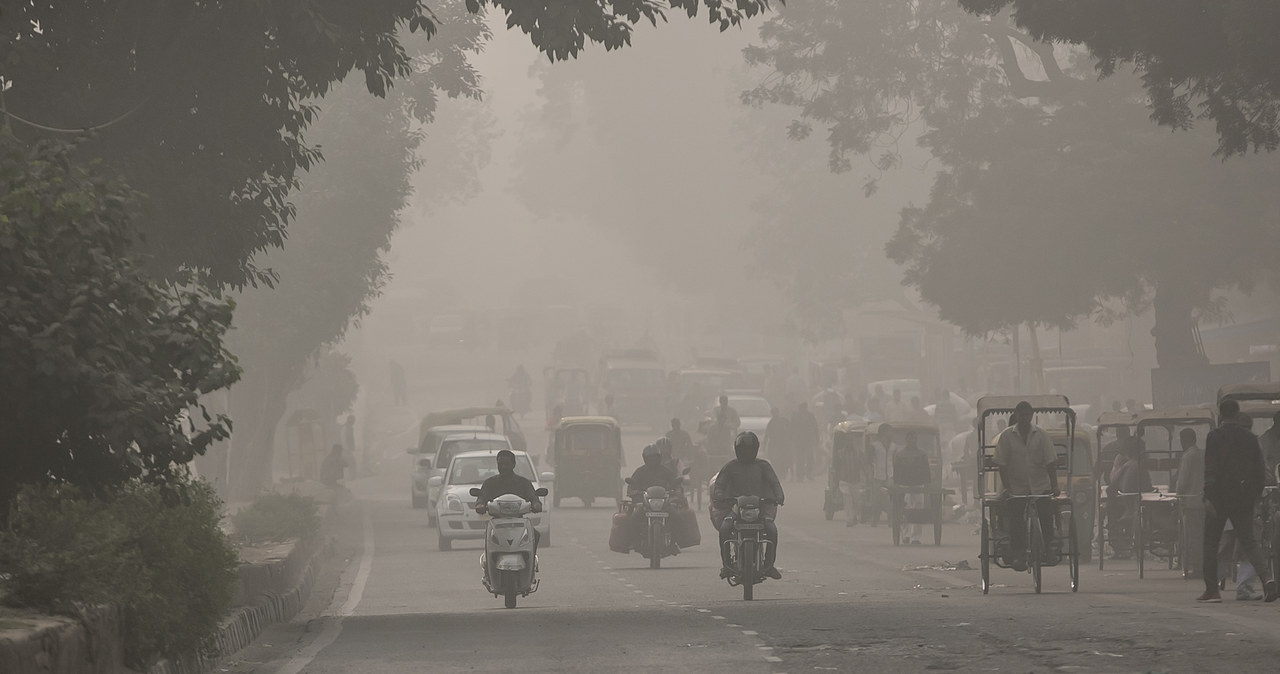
(477,469)
(750,407)
(451,448)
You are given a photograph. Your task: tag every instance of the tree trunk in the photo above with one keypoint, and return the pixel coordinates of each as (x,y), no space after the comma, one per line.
(256,409)
(1174,331)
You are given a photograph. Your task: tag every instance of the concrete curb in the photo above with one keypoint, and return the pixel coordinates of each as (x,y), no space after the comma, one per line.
(269,592)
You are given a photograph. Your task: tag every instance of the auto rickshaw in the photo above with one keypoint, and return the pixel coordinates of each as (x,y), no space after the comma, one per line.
(927,439)
(847,464)
(587,455)
(1043,548)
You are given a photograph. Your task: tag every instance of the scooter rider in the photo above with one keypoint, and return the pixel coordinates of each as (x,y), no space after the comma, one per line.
(508,482)
(747,476)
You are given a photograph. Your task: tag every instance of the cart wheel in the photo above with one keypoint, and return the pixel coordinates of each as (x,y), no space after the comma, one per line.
(1036,537)
(1073,546)
(937,524)
(1102,538)
(1139,549)
(986,555)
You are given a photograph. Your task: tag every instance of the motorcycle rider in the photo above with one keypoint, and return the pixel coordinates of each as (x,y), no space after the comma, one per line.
(521,389)
(652,473)
(747,475)
(507,481)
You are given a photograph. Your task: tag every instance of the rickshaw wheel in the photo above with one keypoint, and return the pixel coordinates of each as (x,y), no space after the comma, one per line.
(986,556)
(1073,547)
(1036,538)
(1139,549)
(937,522)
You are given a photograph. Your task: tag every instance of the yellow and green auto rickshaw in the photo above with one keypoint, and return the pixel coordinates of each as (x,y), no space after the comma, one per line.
(587,455)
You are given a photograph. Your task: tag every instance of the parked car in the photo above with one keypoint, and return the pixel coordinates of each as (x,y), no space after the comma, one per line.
(458,518)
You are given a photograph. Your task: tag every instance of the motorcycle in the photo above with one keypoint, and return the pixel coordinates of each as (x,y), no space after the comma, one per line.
(657,504)
(747,547)
(508,561)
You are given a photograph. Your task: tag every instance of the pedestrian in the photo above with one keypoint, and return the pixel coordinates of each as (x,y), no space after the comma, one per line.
(1190,490)
(805,437)
(1233,479)
(333,467)
(778,447)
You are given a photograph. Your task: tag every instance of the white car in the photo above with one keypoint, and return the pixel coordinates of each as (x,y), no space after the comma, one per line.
(450,446)
(420,494)
(458,519)
(753,411)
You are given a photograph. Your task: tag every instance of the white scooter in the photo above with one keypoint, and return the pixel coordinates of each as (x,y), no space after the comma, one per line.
(509,563)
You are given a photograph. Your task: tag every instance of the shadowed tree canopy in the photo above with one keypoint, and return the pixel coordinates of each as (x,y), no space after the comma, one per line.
(203,106)
(101,368)
(1055,194)
(1199,59)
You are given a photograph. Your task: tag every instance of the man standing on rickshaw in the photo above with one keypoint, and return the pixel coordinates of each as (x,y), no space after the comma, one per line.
(1027,464)
(1234,474)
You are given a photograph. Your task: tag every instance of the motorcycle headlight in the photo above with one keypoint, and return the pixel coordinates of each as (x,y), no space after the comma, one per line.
(657,503)
(750,515)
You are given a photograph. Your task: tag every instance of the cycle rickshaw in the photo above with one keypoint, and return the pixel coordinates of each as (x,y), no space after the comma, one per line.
(928,440)
(848,461)
(1113,430)
(1163,527)
(1043,548)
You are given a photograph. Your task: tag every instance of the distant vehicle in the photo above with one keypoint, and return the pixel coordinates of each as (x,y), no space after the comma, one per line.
(504,422)
(633,390)
(458,518)
(911,388)
(449,330)
(451,446)
(424,467)
(753,411)
(695,387)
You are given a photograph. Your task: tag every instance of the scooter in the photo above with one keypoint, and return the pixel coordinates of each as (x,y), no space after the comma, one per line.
(509,561)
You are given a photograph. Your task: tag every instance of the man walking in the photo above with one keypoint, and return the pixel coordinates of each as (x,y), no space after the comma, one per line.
(1233,480)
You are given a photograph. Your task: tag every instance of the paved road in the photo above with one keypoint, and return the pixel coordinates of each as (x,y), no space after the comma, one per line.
(849,601)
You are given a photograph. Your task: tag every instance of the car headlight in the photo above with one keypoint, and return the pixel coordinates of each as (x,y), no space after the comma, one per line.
(454,504)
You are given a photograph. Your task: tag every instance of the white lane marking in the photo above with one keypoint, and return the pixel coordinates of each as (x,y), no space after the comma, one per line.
(704,610)
(629,584)
(717,617)
(772,658)
(763,647)
(732,625)
(750,633)
(333,625)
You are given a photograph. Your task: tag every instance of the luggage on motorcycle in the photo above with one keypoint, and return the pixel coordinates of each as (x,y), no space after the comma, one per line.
(620,533)
(684,528)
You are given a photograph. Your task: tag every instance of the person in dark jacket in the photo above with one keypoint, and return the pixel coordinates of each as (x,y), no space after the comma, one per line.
(911,469)
(806,437)
(747,475)
(652,473)
(1234,474)
(777,442)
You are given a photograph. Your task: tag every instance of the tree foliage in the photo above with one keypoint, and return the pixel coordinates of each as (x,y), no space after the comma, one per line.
(1199,59)
(1055,194)
(100,365)
(204,107)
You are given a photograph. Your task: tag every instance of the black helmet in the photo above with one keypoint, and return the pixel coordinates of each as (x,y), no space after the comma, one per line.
(746,446)
(650,454)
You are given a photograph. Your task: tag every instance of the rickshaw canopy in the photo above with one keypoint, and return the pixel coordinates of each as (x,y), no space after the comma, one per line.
(988,405)
(1250,391)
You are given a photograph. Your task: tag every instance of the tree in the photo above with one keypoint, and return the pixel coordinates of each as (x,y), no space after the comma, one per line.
(1199,59)
(347,210)
(1047,178)
(101,366)
(204,107)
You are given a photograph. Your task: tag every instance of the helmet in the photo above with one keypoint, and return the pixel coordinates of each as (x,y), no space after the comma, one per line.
(664,446)
(746,446)
(651,454)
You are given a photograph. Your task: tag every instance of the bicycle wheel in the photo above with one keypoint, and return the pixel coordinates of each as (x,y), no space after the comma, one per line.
(986,555)
(1073,546)
(1035,537)
(1101,521)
